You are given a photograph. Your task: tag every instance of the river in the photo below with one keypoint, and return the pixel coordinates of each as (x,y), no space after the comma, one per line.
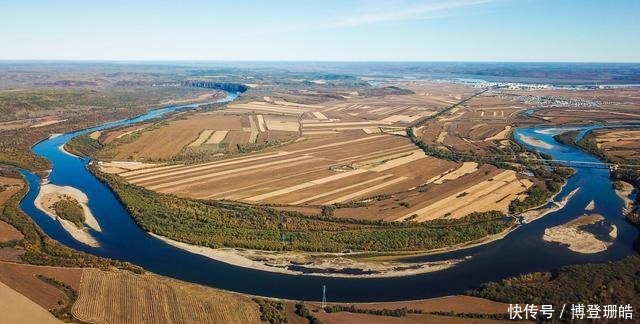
(523,250)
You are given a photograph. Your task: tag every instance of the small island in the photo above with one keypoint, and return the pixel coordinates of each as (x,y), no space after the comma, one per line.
(68,206)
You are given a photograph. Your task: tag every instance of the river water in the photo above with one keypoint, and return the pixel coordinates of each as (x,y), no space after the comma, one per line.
(521,251)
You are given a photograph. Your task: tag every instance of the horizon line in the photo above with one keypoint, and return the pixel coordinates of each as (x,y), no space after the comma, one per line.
(299,61)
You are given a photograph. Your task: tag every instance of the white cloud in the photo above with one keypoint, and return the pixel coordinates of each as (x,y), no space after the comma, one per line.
(414,12)
(372,12)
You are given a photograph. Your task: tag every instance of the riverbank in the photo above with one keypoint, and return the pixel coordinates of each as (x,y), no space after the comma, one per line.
(536,213)
(63,150)
(624,191)
(50,194)
(317,264)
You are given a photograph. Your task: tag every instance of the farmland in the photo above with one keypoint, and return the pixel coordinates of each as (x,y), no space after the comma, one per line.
(197,136)
(338,152)
(481,126)
(119,297)
(351,164)
(449,309)
(623,144)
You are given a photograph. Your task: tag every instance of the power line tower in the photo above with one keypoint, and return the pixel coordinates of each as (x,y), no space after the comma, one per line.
(324,296)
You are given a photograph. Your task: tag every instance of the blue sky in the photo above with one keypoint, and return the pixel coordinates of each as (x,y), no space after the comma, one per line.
(322,30)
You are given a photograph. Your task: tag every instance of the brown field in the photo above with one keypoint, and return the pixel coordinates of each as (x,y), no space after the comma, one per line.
(620,143)
(18,309)
(281,123)
(123,297)
(204,135)
(11,254)
(425,199)
(475,126)
(492,194)
(167,141)
(10,187)
(457,304)
(218,131)
(9,233)
(110,136)
(277,107)
(348,318)
(22,278)
(217,137)
(350,150)
(328,170)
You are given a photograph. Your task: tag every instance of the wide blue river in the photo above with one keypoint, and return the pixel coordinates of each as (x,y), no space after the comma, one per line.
(521,251)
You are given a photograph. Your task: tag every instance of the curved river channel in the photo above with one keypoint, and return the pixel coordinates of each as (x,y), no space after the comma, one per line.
(523,250)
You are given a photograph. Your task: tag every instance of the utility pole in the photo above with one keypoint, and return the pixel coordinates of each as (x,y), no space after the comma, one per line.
(324,296)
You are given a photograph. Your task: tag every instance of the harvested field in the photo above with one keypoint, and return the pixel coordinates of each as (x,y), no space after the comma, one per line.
(202,137)
(412,156)
(22,278)
(122,297)
(218,137)
(406,119)
(116,167)
(342,124)
(312,133)
(458,304)
(321,171)
(347,318)
(11,186)
(9,233)
(18,309)
(492,194)
(371,130)
(623,144)
(282,124)
(366,191)
(319,115)
(10,254)
(167,141)
(500,136)
(261,124)
(466,168)
(455,304)
(346,155)
(276,107)
(326,171)
(110,136)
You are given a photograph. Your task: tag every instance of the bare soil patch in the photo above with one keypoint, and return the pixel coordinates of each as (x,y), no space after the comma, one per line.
(22,278)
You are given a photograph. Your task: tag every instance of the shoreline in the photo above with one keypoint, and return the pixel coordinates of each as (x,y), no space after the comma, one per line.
(81,235)
(241,258)
(532,215)
(61,148)
(227,256)
(624,194)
